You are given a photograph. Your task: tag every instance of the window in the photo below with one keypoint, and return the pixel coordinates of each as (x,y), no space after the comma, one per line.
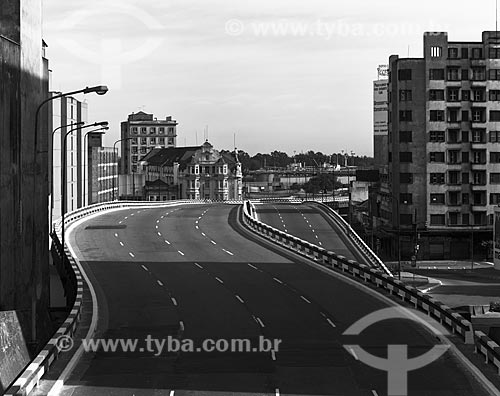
(405,95)
(143,150)
(436,74)
(495,95)
(453,53)
(495,136)
(465,198)
(436,136)
(453,218)
(170,141)
(437,219)
(465,117)
(494,115)
(453,114)
(453,177)
(494,53)
(437,178)
(453,74)
(494,74)
(479,178)
(436,52)
(465,157)
(479,198)
(465,177)
(477,53)
(405,198)
(437,199)
(453,156)
(465,136)
(494,178)
(478,73)
(144,141)
(404,74)
(134,149)
(478,115)
(134,158)
(465,219)
(161,130)
(453,135)
(465,53)
(133,130)
(465,74)
(436,156)
(405,136)
(406,178)
(405,156)
(144,130)
(171,130)
(436,115)
(161,140)
(452,94)
(454,198)
(479,95)
(134,140)
(478,135)
(152,141)
(436,94)
(494,199)
(405,115)
(465,95)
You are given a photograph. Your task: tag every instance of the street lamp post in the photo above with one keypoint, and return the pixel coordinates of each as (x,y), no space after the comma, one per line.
(100,131)
(116,162)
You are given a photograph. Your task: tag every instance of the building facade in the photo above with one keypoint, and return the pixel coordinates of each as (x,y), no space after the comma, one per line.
(143,133)
(102,171)
(198,172)
(443,148)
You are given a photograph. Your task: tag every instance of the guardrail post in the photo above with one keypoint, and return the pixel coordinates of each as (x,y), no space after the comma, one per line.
(469,337)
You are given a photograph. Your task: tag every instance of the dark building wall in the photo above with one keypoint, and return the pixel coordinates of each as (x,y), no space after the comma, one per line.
(24,237)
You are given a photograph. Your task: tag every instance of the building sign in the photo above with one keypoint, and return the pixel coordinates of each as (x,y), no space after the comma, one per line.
(380,107)
(496,239)
(383,71)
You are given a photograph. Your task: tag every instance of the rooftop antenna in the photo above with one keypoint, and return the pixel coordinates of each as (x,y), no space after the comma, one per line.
(234,141)
(408,50)
(196,134)
(207,133)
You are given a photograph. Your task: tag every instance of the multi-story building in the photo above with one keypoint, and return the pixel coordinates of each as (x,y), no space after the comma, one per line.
(102,169)
(145,133)
(66,111)
(444,147)
(199,172)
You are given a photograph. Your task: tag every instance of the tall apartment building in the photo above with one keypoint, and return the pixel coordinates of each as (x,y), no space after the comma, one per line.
(145,133)
(444,147)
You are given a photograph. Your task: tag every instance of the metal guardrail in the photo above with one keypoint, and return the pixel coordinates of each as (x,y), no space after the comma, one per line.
(365,274)
(30,377)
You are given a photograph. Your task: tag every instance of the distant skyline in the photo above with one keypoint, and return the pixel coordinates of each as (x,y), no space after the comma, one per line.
(283,75)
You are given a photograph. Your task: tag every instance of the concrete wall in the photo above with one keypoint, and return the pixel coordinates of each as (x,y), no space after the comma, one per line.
(24,274)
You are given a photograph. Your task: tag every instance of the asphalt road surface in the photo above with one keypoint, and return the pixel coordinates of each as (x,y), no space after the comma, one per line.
(192,273)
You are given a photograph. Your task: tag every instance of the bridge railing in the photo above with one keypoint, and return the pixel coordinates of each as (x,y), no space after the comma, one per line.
(365,274)
(28,379)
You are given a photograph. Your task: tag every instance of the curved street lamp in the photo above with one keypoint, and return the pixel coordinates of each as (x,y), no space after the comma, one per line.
(116,162)
(99,131)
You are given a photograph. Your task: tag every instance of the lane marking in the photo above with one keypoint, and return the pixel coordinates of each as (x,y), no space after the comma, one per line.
(167,242)
(203,234)
(240,299)
(144,268)
(277,280)
(119,222)
(219,280)
(116,235)
(159,282)
(174,301)
(172,393)
(162,217)
(215,243)
(197,227)
(131,214)
(131,254)
(126,218)
(182,254)
(323,314)
(156,227)
(320,244)
(196,222)
(121,243)
(374,392)
(305,299)
(157,221)
(253,267)
(228,252)
(198,265)
(331,323)
(260,322)
(159,233)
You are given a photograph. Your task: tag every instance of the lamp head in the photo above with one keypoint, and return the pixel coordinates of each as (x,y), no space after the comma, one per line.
(102,123)
(99,89)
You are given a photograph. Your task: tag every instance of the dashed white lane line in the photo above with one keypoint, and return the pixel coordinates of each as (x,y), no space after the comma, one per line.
(228,252)
(182,254)
(156,227)
(116,235)
(260,322)
(219,280)
(196,222)
(121,243)
(120,222)
(126,217)
(277,280)
(305,299)
(172,393)
(157,221)
(254,267)
(286,230)
(162,217)
(240,299)
(203,234)
(197,227)
(174,301)
(317,237)
(131,254)
(159,233)
(374,392)
(144,268)
(131,214)
(198,265)
(331,323)
(167,242)
(320,244)
(213,242)
(159,282)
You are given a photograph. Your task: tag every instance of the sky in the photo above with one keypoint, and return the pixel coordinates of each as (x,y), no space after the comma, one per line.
(287,75)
